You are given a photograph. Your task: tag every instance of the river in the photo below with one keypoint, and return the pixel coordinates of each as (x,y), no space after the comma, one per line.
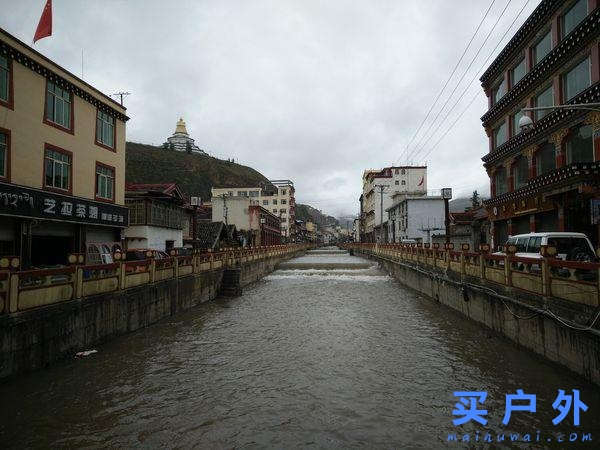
(328,351)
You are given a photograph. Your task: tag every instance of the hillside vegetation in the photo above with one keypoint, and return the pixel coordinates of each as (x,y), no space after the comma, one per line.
(308,213)
(194,173)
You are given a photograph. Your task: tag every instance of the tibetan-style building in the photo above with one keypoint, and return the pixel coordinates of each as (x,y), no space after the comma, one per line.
(181,140)
(545,177)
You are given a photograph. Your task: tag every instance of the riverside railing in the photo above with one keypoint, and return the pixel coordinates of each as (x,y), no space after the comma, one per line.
(26,290)
(575,281)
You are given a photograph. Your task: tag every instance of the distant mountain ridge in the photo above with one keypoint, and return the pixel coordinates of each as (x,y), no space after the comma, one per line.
(194,173)
(461,203)
(307,213)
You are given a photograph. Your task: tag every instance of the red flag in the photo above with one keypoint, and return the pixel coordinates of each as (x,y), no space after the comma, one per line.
(44,28)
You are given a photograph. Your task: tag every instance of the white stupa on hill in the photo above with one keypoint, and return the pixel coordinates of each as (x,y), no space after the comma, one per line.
(181,140)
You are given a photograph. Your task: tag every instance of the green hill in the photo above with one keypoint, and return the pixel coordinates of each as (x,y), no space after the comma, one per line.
(194,173)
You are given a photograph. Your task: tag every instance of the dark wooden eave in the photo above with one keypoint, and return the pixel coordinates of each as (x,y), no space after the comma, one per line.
(562,54)
(544,127)
(532,25)
(571,175)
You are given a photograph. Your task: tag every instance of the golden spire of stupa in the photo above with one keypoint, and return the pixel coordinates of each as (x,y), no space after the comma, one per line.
(181,127)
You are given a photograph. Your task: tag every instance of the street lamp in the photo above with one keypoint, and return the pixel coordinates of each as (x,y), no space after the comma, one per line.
(525,122)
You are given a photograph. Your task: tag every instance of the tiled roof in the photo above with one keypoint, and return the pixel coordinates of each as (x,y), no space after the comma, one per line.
(208,233)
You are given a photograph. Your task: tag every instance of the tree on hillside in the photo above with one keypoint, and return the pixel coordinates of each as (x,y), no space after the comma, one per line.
(475,200)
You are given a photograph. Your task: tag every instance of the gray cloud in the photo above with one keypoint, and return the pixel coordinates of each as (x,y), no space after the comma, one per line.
(308,90)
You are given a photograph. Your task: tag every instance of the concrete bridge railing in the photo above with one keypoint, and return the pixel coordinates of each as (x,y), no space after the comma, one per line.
(26,290)
(577,282)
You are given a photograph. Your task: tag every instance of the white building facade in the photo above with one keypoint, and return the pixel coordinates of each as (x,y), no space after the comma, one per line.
(383,185)
(280,202)
(415,218)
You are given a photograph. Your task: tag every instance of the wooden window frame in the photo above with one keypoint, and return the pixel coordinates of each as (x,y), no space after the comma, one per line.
(6,178)
(58,126)
(561,19)
(106,166)
(10,104)
(563,74)
(536,42)
(100,144)
(48,146)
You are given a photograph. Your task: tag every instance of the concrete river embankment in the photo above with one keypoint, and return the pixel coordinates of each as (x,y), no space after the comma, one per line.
(327,351)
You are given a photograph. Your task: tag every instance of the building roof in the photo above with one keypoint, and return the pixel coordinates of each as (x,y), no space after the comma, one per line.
(208,234)
(467,217)
(417,197)
(155,189)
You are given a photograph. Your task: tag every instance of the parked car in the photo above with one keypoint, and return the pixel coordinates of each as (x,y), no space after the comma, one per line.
(570,246)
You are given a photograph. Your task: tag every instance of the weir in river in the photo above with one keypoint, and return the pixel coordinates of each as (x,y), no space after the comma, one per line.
(327,351)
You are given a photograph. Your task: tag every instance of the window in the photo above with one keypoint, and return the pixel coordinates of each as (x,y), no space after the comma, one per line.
(396,171)
(542,48)
(518,72)
(500,135)
(282,210)
(514,122)
(274,201)
(403,171)
(274,211)
(520,172)
(4,80)
(57,169)
(230,193)
(397,182)
(546,98)
(58,106)
(534,245)
(242,193)
(4,149)
(499,91)
(403,183)
(137,212)
(105,129)
(580,145)
(105,182)
(546,158)
(253,193)
(522,244)
(265,202)
(501,187)
(577,79)
(283,192)
(283,202)
(573,17)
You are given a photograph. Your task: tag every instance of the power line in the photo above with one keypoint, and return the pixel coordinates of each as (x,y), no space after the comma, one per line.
(473,79)
(421,142)
(448,80)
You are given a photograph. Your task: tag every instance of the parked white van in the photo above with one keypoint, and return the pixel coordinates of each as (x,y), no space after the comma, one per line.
(569,246)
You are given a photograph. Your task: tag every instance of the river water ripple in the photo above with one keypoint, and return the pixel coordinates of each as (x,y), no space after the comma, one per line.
(326,352)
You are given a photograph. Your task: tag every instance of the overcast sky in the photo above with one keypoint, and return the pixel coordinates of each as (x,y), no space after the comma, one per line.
(312,91)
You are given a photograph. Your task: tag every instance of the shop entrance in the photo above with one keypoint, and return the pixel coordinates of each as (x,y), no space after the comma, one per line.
(50,250)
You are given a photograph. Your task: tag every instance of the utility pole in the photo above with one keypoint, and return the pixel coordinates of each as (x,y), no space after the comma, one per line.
(447,195)
(382,188)
(429,229)
(121,95)
(225,208)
